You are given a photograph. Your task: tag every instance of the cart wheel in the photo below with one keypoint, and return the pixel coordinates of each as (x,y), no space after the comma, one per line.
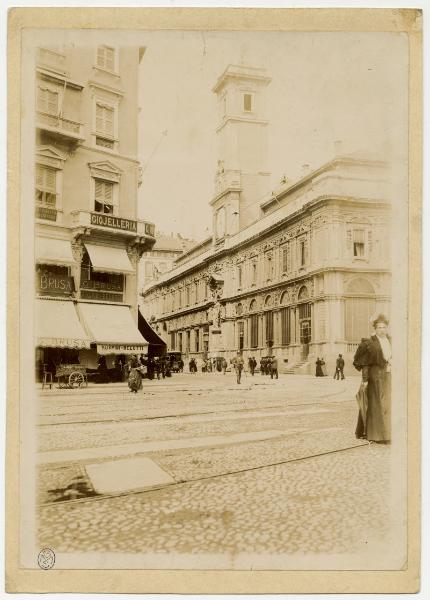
(76,379)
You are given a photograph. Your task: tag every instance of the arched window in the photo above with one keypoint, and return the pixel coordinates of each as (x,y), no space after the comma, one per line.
(285,298)
(268,301)
(303,293)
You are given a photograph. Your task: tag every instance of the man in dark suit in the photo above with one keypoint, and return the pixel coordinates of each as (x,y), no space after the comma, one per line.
(340,364)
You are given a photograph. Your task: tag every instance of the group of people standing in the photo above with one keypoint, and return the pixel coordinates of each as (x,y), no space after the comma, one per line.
(268,366)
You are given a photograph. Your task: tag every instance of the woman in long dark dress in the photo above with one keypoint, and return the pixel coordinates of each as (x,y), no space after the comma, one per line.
(318,370)
(135,376)
(373,359)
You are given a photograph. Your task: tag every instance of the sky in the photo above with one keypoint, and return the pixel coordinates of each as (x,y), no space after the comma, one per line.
(325,87)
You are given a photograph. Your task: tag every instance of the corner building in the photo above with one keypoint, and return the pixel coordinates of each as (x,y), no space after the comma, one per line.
(88,240)
(295,272)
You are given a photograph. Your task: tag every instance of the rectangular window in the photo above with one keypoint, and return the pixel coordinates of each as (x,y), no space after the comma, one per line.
(247,102)
(196,293)
(269,266)
(254,273)
(197,339)
(285,326)
(188,295)
(254,331)
(172,340)
(180,341)
(106,57)
(305,311)
(241,335)
(239,276)
(286,259)
(358,242)
(104,197)
(188,348)
(269,326)
(303,252)
(179,298)
(47,101)
(105,120)
(46,186)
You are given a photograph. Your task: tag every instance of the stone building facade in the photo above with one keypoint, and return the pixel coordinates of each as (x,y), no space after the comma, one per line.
(297,273)
(88,240)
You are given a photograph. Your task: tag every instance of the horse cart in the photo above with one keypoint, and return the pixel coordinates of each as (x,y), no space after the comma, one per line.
(71,376)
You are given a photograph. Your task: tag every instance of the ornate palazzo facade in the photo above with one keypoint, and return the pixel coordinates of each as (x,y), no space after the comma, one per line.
(299,275)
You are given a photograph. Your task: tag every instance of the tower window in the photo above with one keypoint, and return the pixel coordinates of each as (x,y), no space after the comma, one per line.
(358,243)
(247,102)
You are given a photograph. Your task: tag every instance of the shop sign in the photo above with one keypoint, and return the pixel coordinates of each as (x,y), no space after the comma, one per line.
(121,348)
(97,295)
(52,283)
(104,220)
(108,286)
(63,343)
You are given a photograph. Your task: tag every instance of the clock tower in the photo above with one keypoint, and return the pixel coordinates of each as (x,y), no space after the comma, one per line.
(242,178)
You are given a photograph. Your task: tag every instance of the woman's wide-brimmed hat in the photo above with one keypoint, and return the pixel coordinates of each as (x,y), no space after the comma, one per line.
(379,318)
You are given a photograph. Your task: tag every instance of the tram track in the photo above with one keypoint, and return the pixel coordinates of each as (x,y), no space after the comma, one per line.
(192,414)
(191,480)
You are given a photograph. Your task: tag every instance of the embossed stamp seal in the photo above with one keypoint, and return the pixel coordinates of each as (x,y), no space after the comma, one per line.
(46,558)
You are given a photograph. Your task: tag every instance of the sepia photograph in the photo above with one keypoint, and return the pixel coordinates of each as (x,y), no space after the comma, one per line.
(214,291)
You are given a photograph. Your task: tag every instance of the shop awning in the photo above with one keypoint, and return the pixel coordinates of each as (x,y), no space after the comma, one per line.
(148,333)
(113,328)
(108,259)
(50,251)
(58,326)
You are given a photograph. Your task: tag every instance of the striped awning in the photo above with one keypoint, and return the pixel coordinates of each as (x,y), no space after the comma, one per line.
(51,251)
(57,325)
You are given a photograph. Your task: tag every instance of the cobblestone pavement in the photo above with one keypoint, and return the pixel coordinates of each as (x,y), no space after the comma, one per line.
(312,489)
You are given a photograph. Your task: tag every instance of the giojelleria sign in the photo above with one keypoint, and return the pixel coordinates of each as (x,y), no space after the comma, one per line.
(121,348)
(113,222)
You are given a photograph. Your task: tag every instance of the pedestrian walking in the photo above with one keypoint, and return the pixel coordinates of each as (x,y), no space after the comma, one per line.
(238,366)
(251,365)
(134,376)
(224,365)
(262,366)
(340,364)
(373,359)
(273,367)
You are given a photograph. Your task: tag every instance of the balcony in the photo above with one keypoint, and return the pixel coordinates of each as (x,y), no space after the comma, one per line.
(109,223)
(60,127)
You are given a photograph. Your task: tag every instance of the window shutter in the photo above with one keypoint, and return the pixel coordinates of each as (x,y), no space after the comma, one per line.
(41,99)
(39,176)
(99,190)
(108,192)
(108,121)
(50,180)
(99,118)
(110,58)
(100,56)
(52,98)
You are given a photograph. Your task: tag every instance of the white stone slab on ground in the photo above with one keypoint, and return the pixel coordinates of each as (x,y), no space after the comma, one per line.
(126,475)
